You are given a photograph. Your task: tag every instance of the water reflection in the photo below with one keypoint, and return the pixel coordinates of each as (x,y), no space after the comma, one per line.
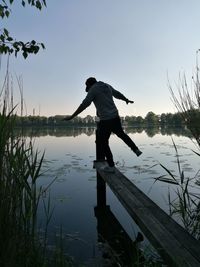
(76,131)
(117,247)
(74,192)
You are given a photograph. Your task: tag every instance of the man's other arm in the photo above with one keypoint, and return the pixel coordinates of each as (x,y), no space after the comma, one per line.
(120,96)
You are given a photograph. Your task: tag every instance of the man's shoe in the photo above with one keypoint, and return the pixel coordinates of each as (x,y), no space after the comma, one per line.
(108,169)
(138,152)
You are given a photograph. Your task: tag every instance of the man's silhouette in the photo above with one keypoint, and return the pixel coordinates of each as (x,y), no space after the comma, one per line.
(101,94)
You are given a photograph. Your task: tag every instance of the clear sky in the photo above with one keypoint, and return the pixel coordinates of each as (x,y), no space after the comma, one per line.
(130,44)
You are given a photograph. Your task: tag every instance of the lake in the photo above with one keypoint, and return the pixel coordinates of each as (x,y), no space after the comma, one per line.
(69,155)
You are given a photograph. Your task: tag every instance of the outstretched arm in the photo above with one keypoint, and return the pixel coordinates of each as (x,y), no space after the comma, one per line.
(86,102)
(78,111)
(119,95)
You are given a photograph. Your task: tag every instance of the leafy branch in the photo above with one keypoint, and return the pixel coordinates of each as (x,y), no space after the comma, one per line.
(5,9)
(9,45)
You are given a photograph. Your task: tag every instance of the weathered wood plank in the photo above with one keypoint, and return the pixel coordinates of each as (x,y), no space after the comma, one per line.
(173,243)
(177,230)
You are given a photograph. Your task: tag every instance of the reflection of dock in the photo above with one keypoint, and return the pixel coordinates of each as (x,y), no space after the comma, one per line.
(119,245)
(176,246)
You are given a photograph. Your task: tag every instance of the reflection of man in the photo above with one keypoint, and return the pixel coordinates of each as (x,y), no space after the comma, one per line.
(102,95)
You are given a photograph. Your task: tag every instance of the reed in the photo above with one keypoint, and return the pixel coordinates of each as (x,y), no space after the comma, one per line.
(20,167)
(186,205)
(187,101)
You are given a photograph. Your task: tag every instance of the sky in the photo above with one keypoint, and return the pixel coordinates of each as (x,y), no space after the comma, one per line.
(137,46)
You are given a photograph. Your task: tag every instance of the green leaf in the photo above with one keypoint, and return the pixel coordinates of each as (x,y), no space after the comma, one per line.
(15,44)
(38,5)
(25,54)
(7,13)
(2,38)
(9,39)
(169,172)
(37,48)
(166,180)
(6,32)
(42,45)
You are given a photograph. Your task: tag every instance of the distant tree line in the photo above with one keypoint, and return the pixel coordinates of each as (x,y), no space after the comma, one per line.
(76,131)
(151,119)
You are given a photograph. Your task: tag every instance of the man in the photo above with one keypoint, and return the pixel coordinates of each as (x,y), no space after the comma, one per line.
(101,94)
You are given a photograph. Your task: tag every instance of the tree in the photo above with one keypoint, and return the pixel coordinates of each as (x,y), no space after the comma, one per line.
(139,120)
(9,45)
(169,118)
(178,119)
(151,118)
(163,119)
(131,120)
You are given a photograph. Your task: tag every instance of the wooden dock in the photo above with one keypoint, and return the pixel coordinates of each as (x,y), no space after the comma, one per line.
(175,245)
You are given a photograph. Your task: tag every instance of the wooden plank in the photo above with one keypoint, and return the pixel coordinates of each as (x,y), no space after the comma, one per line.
(173,243)
(177,230)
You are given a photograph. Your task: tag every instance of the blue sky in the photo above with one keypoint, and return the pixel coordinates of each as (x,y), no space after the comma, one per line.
(130,44)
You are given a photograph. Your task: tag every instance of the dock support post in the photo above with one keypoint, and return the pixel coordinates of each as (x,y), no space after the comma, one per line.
(101,185)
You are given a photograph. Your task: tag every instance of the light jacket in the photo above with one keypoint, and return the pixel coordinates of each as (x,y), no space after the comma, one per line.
(101,94)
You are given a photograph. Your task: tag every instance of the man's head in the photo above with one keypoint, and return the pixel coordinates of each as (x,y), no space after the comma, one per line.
(89,82)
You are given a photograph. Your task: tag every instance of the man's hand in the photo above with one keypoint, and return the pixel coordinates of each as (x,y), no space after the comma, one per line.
(129,101)
(68,118)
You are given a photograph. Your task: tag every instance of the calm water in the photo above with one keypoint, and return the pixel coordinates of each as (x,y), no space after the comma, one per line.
(70,154)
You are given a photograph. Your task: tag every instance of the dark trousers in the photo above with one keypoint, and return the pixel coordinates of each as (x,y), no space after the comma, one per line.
(104,130)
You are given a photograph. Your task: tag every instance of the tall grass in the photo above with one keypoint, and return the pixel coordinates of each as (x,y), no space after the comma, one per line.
(186,205)
(187,101)
(20,167)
